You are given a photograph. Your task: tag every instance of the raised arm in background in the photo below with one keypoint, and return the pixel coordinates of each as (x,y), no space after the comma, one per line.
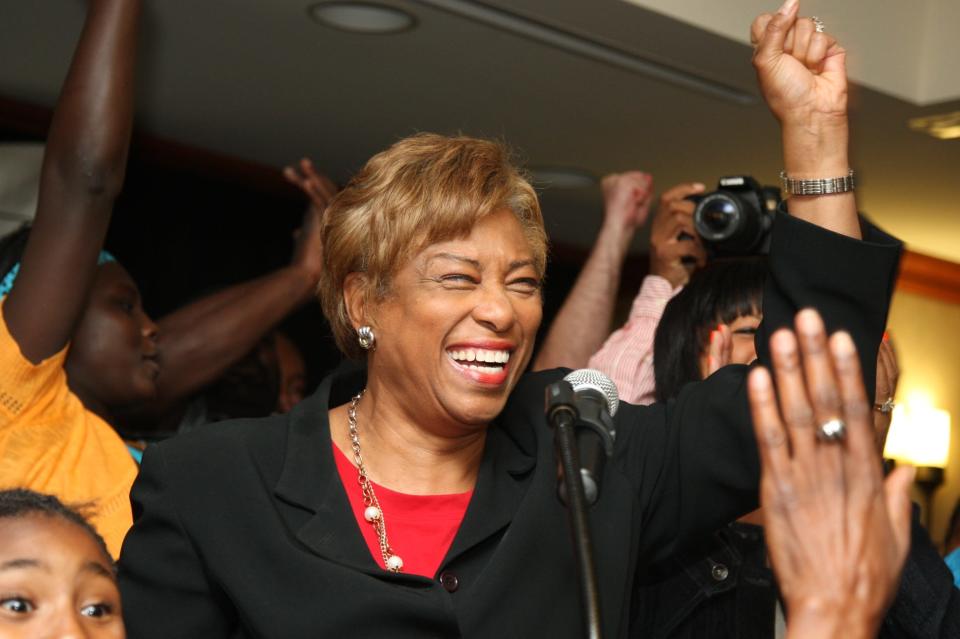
(675,251)
(201,340)
(583,321)
(83,170)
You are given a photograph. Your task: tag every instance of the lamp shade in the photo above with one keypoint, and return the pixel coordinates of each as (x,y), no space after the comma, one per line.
(919,435)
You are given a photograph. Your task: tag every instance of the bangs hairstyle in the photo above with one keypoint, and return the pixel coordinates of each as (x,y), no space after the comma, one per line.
(424,189)
(718,294)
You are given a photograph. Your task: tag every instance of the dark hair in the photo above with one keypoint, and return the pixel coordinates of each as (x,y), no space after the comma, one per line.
(719,293)
(249,388)
(11,248)
(20,502)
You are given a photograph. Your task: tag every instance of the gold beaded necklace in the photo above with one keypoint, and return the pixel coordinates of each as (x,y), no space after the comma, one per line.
(372,513)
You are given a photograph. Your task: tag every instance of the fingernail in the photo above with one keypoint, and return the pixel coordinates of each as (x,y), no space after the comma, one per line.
(787,7)
(808,320)
(713,336)
(842,343)
(886,336)
(699,186)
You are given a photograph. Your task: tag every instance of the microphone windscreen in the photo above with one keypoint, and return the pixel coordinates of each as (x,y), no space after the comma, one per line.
(584,378)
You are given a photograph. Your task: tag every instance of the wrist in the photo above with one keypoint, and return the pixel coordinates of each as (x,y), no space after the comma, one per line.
(676,276)
(815,148)
(302,279)
(838,623)
(616,235)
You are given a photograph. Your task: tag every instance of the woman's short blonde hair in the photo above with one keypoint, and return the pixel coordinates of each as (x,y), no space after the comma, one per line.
(424,189)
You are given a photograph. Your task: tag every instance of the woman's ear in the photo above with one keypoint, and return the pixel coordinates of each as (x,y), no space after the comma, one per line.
(355,299)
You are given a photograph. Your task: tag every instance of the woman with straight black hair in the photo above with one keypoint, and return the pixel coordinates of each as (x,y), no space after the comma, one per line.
(725,293)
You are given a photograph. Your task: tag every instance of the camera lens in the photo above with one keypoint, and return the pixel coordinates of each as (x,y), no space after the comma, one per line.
(717,217)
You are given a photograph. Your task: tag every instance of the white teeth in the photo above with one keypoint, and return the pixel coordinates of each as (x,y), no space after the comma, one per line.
(481,355)
(484,369)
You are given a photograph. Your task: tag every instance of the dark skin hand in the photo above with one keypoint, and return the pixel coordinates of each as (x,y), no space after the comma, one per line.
(83,171)
(316,186)
(803,79)
(201,340)
(888,374)
(837,532)
(675,248)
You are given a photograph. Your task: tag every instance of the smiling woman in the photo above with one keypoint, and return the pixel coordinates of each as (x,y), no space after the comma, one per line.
(408,498)
(422,190)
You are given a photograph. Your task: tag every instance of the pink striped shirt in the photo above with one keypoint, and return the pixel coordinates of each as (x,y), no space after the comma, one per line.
(627,355)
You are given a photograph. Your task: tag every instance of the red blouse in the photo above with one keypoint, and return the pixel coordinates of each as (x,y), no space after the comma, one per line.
(420,528)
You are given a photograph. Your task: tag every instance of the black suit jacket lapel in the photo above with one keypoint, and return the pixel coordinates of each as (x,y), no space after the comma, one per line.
(309,480)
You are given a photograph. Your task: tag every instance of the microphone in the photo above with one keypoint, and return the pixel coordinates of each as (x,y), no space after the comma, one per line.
(579,409)
(596,401)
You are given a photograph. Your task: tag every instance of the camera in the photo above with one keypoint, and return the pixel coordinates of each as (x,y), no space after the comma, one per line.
(736,218)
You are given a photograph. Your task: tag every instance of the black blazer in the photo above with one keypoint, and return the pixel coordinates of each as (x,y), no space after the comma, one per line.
(243,529)
(724,589)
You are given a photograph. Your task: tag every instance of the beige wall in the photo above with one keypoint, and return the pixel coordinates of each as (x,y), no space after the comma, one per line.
(926,333)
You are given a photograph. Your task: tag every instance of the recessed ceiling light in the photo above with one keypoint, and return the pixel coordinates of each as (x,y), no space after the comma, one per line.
(362,17)
(945,126)
(557,177)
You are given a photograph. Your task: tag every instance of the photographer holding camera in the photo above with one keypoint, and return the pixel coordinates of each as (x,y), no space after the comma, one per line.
(675,252)
(689,228)
(735,220)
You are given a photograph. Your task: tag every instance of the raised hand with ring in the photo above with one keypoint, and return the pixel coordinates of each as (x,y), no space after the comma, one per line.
(837,532)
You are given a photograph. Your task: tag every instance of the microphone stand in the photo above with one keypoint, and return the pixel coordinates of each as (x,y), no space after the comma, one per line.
(563,414)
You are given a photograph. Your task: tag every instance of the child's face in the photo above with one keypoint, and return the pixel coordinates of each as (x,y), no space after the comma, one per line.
(55,582)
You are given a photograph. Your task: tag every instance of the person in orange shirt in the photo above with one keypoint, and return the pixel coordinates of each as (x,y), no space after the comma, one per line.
(78,353)
(53,438)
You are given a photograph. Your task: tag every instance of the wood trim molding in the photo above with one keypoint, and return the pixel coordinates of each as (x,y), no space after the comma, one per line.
(929,276)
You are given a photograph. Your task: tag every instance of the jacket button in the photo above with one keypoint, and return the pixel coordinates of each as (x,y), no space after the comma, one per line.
(719,572)
(449,581)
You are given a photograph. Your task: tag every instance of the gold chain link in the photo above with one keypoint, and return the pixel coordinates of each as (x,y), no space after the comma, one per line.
(369,497)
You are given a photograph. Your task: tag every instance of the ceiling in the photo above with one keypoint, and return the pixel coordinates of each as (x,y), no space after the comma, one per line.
(905,49)
(260,81)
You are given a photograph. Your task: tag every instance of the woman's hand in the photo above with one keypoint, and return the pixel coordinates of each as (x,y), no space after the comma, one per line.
(837,533)
(888,374)
(803,78)
(675,247)
(802,73)
(316,186)
(626,199)
(308,247)
(720,349)
(308,251)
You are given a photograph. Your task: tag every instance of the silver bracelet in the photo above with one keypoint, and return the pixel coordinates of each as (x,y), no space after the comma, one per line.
(822,186)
